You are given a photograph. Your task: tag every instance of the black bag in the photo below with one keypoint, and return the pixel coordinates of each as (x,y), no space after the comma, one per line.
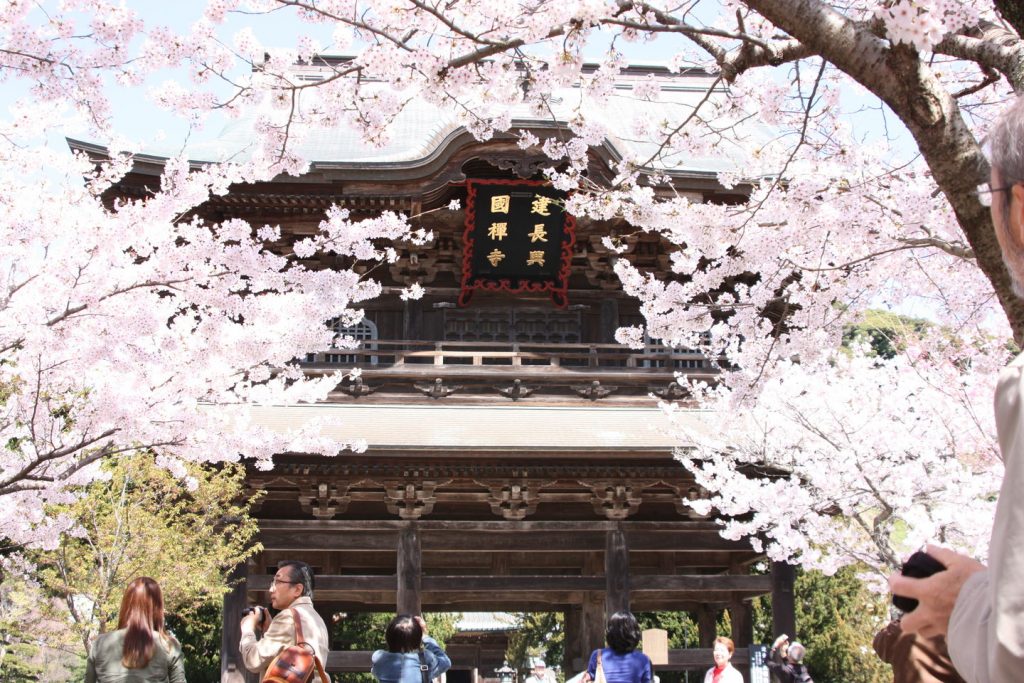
(424,668)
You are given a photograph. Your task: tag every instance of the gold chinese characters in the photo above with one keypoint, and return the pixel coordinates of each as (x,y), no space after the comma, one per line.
(540,205)
(500,203)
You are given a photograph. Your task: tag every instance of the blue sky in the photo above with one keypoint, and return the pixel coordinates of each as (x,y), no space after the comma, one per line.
(142,122)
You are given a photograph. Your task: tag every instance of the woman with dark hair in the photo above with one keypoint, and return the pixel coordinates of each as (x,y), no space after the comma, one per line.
(401,662)
(140,650)
(620,662)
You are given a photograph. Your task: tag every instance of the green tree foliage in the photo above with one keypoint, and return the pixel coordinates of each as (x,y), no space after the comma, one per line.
(681,627)
(537,635)
(19,658)
(682,631)
(19,653)
(143,521)
(884,331)
(199,632)
(837,617)
(33,647)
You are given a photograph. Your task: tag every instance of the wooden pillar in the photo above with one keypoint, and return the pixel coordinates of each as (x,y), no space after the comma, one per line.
(742,618)
(609,319)
(707,627)
(616,572)
(783,601)
(231,668)
(574,657)
(588,618)
(412,319)
(408,576)
(592,633)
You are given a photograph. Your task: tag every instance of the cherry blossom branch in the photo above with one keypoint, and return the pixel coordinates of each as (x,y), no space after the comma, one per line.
(991,78)
(675,131)
(996,48)
(755,52)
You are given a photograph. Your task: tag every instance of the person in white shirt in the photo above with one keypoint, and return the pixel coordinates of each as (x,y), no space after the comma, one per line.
(540,673)
(723,671)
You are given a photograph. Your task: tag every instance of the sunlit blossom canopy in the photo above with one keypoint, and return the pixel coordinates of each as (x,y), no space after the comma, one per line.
(644,98)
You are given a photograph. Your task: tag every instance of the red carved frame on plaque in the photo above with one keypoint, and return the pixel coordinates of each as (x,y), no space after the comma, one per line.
(557,286)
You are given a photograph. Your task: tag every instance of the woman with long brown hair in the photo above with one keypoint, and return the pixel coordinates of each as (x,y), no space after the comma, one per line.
(140,650)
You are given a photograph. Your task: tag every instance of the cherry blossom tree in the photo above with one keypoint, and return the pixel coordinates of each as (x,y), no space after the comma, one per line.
(859,463)
(104,307)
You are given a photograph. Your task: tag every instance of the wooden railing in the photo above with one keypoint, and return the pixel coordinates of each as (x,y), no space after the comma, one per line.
(481,355)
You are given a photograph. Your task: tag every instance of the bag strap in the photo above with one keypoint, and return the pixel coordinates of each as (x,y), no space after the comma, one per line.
(301,639)
(297,620)
(424,667)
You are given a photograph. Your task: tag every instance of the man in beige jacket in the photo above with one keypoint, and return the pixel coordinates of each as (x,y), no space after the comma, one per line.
(292,587)
(981,609)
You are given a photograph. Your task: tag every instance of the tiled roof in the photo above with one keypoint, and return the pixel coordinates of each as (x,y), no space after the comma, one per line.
(486,621)
(519,428)
(420,132)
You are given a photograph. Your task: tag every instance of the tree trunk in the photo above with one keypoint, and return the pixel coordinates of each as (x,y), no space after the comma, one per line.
(1013,12)
(905,83)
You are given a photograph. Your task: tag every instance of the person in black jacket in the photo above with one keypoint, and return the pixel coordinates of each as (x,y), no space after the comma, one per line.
(785,661)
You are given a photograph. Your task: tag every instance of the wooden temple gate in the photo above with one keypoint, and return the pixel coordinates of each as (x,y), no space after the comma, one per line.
(582,537)
(517,461)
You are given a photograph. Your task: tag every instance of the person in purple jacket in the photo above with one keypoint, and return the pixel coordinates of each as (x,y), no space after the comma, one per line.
(620,660)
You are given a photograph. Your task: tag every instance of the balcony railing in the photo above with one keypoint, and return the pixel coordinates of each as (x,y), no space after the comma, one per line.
(496,356)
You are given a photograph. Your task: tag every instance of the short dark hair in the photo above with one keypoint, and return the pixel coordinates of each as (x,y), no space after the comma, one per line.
(403,634)
(623,632)
(301,574)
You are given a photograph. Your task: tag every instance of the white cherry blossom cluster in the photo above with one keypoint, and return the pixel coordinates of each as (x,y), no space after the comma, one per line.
(856,473)
(923,23)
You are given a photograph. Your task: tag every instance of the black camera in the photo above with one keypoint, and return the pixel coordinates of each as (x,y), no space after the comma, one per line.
(254,609)
(918,566)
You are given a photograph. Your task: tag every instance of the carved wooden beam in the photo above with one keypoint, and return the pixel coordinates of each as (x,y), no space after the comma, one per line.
(325,500)
(616,499)
(514,500)
(411,498)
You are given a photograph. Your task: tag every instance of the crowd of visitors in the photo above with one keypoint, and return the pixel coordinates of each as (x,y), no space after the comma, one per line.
(292,646)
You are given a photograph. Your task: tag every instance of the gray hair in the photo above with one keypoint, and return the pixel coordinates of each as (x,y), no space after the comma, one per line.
(1006,143)
(796,652)
(302,574)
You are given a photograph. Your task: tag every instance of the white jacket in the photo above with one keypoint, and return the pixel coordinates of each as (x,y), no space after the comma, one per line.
(986,629)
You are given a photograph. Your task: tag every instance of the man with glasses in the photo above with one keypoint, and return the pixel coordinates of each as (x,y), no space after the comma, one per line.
(981,609)
(292,588)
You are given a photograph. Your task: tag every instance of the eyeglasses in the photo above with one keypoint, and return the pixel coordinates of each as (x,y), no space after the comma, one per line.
(277,580)
(985,193)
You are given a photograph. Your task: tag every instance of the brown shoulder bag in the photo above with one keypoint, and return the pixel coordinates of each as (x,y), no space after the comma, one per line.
(296,663)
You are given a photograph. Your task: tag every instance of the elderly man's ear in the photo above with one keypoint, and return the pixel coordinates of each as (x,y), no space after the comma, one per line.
(1015,220)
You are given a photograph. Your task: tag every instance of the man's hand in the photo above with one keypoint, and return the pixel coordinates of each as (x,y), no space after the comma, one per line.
(780,640)
(249,623)
(258,619)
(936,594)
